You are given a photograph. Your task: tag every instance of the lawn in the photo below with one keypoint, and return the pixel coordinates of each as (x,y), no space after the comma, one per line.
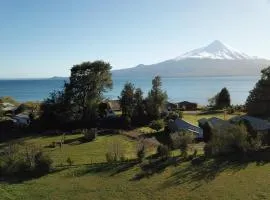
(86,180)
(193,118)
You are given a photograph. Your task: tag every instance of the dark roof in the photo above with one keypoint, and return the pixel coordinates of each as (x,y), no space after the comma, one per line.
(214,121)
(180,124)
(256,123)
(186,103)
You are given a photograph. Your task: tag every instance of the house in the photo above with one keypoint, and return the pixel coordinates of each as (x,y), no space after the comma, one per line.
(179,124)
(185,105)
(171,106)
(21,120)
(114,105)
(258,125)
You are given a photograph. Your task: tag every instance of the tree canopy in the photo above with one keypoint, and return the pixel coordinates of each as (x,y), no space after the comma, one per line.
(221,99)
(258,101)
(82,93)
(156,99)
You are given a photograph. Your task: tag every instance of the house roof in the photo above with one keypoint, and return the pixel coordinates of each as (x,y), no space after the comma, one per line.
(180,124)
(22,116)
(256,123)
(186,103)
(114,105)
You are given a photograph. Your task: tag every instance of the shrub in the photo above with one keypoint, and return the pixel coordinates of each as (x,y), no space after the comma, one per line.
(163,151)
(115,153)
(19,161)
(157,125)
(89,134)
(233,139)
(42,163)
(141,152)
(181,140)
(69,161)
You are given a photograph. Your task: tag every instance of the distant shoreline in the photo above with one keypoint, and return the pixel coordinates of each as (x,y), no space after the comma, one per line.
(141,77)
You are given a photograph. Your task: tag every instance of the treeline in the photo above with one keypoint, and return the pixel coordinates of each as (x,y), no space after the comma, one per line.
(79,104)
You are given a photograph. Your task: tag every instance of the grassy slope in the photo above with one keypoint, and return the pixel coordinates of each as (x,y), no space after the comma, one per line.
(208,181)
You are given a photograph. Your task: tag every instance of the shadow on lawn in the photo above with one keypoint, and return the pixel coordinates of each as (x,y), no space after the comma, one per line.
(27,176)
(113,168)
(208,170)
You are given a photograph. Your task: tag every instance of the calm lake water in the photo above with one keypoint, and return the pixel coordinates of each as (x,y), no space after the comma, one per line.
(196,89)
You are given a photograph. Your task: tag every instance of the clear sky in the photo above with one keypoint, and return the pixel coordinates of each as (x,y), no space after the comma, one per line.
(45,38)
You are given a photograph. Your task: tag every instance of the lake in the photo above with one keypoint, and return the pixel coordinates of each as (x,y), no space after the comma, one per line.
(195,89)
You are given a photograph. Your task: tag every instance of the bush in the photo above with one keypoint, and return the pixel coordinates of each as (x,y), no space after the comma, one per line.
(69,161)
(115,153)
(19,161)
(181,140)
(157,125)
(42,163)
(233,139)
(89,134)
(110,157)
(163,151)
(141,152)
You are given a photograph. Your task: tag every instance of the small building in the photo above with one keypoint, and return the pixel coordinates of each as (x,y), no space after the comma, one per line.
(179,124)
(185,105)
(171,106)
(21,120)
(114,105)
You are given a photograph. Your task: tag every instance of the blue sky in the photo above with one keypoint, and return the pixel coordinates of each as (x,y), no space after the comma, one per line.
(45,38)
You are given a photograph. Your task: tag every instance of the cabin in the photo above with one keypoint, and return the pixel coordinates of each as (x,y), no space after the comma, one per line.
(179,124)
(186,105)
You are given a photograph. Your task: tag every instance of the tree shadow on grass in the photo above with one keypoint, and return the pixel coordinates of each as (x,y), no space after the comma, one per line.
(112,168)
(28,176)
(155,166)
(208,170)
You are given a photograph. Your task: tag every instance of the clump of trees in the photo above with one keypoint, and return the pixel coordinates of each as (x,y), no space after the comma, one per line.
(221,100)
(139,109)
(258,101)
(80,97)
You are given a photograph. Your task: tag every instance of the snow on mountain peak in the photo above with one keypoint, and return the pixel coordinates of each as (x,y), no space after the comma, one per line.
(217,51)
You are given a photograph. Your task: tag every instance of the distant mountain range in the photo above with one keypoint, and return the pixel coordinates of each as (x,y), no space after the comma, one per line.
(215,59)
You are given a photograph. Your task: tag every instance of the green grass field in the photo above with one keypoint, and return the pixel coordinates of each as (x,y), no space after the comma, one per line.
(92,178)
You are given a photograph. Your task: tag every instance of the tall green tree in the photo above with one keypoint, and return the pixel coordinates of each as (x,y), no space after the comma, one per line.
(221,99)
(156,99)
(87,83)
(139,106)
(258,101)
(126,100)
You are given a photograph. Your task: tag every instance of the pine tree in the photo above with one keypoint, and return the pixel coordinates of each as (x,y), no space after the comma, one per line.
(258,101)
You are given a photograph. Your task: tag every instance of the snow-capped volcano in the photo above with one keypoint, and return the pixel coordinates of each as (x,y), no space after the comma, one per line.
(216,59)
(216,50)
